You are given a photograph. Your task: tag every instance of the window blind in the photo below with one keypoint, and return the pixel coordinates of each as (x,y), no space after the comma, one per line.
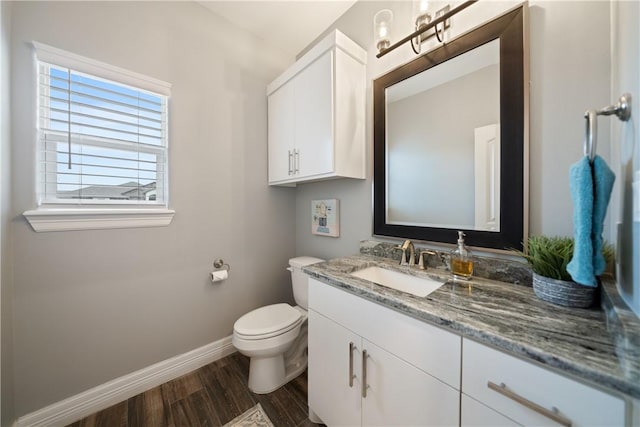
(101,142)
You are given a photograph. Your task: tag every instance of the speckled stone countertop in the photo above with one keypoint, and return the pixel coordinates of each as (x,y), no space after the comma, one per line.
(504,315)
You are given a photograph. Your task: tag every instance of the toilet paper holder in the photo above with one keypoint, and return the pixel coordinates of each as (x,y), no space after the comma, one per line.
(221,265)
(221,271)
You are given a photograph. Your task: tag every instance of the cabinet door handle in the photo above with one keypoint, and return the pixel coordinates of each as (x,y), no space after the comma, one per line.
(351,376)
(290,163)
(552,414)
(365,355)
(296,161)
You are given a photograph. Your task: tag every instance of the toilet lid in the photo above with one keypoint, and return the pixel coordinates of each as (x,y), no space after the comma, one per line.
(268,320)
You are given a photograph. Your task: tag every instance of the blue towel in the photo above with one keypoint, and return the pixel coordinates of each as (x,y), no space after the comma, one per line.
(581,185)
(591,186)
(603,179)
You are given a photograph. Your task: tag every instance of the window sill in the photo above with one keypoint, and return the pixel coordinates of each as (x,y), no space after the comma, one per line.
(43,220)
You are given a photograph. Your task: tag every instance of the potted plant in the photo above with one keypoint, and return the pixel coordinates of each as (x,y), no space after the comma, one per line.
(548,258)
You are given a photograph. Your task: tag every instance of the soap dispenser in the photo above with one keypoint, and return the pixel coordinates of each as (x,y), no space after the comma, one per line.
(461,260)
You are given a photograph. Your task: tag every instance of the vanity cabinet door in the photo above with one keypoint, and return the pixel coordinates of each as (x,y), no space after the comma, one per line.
(334,353)
(399,394)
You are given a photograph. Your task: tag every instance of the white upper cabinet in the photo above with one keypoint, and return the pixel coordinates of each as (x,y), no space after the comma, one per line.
(317,115)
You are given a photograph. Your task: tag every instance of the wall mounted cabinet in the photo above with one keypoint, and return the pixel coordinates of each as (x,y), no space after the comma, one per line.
(316,115)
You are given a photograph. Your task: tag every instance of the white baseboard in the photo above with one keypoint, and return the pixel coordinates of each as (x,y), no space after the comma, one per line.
(101,397)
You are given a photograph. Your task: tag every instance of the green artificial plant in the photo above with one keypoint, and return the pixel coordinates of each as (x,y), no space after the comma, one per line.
(549,256)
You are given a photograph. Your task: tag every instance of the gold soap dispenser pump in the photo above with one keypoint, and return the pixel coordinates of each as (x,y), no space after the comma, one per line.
(461,260)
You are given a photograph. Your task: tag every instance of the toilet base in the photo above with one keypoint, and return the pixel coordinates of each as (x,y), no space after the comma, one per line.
(267,374)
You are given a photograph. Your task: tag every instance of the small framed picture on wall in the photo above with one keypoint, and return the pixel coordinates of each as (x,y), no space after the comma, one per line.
(325,218)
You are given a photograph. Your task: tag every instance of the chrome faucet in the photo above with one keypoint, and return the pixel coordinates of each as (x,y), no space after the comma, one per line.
(407,245)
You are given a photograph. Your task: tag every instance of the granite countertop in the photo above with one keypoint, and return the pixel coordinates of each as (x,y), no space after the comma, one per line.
(504,315)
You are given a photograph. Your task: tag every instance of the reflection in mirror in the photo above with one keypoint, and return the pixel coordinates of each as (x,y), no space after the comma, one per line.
(450,140)
(458,126)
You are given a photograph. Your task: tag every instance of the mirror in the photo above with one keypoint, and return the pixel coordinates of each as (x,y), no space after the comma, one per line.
(449,140)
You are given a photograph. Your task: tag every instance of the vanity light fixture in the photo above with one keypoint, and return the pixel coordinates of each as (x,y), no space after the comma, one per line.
(382,24)
(425,18)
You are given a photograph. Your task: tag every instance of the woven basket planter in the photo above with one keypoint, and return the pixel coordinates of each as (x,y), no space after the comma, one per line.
(560,292)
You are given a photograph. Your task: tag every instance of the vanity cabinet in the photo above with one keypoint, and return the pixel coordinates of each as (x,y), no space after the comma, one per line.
(499,385)
(316,115)
(395,370)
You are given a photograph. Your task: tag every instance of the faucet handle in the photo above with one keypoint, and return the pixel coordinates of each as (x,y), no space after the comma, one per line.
(403,258)
(421,264)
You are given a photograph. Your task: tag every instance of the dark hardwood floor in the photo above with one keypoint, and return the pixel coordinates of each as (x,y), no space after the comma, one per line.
(210,396)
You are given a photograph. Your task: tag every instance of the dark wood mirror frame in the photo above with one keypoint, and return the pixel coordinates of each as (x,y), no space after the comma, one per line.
(509,28)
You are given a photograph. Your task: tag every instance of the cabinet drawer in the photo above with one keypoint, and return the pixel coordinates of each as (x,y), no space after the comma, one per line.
(475,414)
(429,348)
(513,379)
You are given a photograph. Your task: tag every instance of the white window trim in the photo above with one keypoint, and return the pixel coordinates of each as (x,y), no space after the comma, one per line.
(61,57)
(45,219)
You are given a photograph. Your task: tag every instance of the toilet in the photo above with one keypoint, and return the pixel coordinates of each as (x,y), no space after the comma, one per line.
(274,337)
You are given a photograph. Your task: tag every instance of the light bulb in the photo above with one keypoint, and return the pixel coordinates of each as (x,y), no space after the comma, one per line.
(382,22)
(421,14)
(423,6)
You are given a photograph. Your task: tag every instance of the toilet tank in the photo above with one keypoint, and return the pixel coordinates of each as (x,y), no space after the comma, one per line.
(299,280)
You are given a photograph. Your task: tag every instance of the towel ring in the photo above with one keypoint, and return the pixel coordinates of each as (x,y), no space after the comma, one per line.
(622,109)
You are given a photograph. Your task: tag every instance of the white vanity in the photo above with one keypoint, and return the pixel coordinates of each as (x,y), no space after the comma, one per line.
(369,365)
(372,364)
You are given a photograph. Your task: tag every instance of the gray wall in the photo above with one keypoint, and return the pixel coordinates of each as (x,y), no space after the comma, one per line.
(570,72)
(6,289)
(90,306)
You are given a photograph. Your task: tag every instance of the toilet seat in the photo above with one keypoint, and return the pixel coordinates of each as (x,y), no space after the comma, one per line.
(268,321)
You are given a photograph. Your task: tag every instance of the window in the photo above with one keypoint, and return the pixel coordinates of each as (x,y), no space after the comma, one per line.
(100,141)
(102,137)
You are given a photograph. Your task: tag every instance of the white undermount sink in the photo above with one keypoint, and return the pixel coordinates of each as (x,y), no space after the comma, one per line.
(418,286)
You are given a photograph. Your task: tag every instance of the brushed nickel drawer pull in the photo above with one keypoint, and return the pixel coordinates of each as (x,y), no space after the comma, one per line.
(351,376)
(290,162)
(364,373)
(551,414)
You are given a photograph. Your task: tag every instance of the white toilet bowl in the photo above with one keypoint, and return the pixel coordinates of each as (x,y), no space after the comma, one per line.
(267,343)
(275,336)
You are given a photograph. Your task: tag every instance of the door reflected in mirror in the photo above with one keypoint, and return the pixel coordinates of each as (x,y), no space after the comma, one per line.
(443,143)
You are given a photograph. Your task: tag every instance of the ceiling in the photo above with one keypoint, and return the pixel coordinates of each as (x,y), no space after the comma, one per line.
(288,25)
